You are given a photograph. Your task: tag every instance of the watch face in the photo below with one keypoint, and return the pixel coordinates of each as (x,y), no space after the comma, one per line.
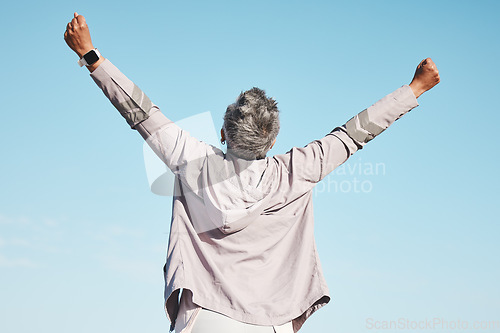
(91,57)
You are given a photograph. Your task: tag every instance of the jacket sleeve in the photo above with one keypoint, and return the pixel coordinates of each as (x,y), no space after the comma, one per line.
(320,157)
(174,146)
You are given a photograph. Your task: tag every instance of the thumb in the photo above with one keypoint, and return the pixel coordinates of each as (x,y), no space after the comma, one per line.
(80,19)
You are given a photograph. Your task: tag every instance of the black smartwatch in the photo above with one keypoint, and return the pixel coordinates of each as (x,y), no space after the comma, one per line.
(89,58)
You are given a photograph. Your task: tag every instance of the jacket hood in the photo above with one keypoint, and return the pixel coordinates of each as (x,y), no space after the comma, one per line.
(234,190)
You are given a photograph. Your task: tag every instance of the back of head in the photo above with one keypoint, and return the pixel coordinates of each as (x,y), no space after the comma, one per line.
(251,124)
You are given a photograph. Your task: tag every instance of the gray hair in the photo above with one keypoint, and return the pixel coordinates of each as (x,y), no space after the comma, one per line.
(251,124)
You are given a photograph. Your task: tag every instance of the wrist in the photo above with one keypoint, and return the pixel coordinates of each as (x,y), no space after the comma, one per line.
(82,51)
(89,58)
(417,90)
(94,66)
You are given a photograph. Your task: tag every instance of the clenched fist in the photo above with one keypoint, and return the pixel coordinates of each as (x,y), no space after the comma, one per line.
(77,35)
(426,76)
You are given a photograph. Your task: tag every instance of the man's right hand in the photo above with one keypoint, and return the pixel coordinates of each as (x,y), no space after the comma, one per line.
(77,36)
(425,78)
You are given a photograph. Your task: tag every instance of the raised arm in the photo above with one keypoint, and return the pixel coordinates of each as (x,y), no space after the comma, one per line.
(372,121)
(313,162)
(174,146)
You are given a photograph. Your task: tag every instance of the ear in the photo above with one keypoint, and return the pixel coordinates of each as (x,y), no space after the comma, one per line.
(222,136)
(272,144)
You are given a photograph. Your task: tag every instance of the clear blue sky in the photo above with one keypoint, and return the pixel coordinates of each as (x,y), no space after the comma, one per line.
(82,237)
